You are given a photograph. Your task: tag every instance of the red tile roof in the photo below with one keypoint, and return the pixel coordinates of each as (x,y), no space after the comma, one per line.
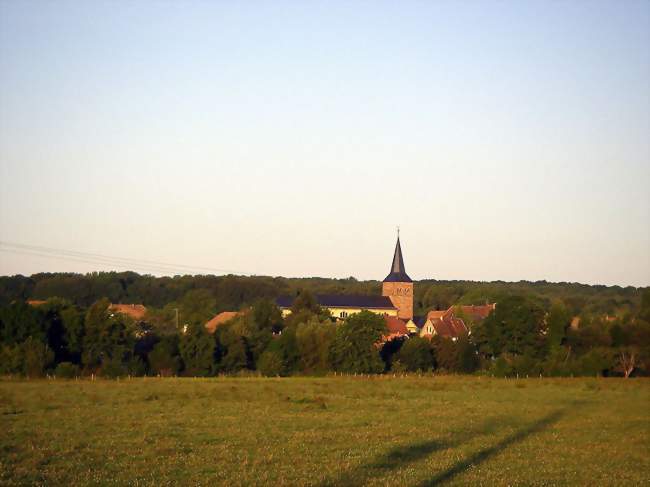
(445,324)
(396,328)
(395,325)
(435,314)
(220,319)
(135,311)
(36,302)
(478,313)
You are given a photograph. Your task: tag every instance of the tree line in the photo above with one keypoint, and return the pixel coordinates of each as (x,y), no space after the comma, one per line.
(233,292)
(527,335)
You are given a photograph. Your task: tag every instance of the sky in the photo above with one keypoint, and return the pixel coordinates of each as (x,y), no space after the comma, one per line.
(509,140)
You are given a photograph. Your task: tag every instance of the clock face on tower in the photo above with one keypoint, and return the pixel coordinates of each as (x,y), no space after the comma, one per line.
(403,291)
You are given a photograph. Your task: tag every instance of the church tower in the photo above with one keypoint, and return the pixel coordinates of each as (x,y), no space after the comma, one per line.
(398,286)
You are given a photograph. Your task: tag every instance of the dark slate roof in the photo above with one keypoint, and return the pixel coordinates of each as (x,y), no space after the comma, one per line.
(343,301)
(397,270)
(419,321)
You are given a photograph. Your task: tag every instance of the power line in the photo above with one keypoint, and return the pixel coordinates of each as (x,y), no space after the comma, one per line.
(116,265)
(122,262)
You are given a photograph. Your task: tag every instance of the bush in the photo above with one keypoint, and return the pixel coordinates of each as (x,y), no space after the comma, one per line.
(556,363)
(270,364)
(525,365)
(164,358)
(416,355)
(11,359)
(113,369)
(468,359)
(597,361)
(136,367)
(501,368)
(398,367)
(37,357)
(66,370)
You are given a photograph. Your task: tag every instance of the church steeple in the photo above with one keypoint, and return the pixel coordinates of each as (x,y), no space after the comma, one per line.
(398,286)
(397,270)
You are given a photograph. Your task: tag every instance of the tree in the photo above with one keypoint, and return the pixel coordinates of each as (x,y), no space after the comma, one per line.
(597,361)
(591,334)
(197,349)
(37,357)
(644,308)
(389,353)
(197,306)
(416,355)
(64,328)
(515,327)
(558,321)
(354,349)
(165,359)
(237,357)
(19,321)
(106,340)
(627,360)
(468,360)
(313,340)
(305,301)
(446,354)
(633,346)
(286,347)
(481,338)
(257,326)
(232,353)
(73,324)
(267,316)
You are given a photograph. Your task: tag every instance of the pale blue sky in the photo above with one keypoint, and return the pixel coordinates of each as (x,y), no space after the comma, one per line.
(510,140)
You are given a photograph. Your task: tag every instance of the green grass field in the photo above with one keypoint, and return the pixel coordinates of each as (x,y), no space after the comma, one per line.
(326,431)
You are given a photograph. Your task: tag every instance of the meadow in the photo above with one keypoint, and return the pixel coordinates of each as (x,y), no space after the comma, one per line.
(413,431)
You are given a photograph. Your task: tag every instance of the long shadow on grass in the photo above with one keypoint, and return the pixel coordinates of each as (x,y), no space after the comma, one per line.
(486,453)
(404,455)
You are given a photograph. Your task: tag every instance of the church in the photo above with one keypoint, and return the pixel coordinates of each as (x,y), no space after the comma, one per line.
(396,306)
(395,302)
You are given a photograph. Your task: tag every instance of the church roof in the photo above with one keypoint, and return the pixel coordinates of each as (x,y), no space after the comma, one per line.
(343,301)
(397,270)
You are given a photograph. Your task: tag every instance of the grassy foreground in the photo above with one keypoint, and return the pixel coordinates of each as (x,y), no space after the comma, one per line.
(326,431)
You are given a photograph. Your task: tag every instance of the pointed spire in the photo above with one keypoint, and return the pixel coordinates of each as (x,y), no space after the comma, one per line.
(398,270)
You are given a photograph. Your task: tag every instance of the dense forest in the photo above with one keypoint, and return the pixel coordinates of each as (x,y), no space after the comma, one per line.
(538,328)
(234,292)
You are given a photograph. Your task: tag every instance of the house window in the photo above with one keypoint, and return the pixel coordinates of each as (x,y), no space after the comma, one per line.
(343,314)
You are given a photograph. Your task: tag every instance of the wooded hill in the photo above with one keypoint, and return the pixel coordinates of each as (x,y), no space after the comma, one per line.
(234,292)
